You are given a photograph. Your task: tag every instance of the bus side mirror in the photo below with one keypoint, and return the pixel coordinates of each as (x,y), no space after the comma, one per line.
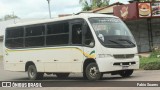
(92,44)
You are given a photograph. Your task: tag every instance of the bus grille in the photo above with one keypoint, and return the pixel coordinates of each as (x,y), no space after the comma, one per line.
(123,56)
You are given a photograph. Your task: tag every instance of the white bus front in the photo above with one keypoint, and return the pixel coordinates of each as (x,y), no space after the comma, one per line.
(116,50)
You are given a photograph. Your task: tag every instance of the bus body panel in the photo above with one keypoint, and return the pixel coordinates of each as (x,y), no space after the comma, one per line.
(60,59)
(71,60)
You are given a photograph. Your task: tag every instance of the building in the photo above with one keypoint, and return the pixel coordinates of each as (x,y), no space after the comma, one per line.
(106,9)
(143,19)
(64,15)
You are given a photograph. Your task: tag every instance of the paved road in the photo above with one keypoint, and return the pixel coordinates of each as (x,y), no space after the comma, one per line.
(139,75)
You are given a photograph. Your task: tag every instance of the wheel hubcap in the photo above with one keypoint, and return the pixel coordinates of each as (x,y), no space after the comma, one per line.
(93,72)
(32,73)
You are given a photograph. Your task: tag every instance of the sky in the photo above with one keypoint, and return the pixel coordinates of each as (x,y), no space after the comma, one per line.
(39,8)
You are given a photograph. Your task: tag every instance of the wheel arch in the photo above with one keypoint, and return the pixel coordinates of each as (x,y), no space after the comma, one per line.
(88,61)
(28,64)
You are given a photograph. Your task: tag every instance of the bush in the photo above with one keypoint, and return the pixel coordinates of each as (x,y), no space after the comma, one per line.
(155,54)
(150,63)
(152,66)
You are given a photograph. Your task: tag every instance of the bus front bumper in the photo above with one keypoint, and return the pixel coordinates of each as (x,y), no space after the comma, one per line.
(112,64)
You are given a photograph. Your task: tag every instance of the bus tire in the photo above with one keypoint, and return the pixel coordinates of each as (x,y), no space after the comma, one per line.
(62,75)
(101,77)
(126,73)
(84,75)
(33,74)
(92,72)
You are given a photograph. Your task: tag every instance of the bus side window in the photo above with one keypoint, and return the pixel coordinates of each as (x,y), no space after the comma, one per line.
(34,36)
(88,40)
(15,37)
(57,33)
(77,33)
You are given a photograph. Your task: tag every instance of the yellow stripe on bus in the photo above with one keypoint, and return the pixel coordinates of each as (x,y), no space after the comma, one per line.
(84,53)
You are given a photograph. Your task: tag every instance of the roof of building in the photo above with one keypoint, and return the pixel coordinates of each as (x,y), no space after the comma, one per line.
(64,15)
(98,9)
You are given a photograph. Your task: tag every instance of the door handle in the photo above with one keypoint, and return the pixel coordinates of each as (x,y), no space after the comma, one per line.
(55,60)
(75,59)
(38,60)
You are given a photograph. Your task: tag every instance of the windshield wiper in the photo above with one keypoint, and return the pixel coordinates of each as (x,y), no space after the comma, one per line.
(117,43)
(126,41)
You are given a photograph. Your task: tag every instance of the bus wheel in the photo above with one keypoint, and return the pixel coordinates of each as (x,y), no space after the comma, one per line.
(84,76)
(32,73)
(92,72)
(62,75)
(126,73)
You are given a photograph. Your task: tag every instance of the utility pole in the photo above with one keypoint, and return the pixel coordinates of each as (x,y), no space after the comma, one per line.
(14,21)
(49,8)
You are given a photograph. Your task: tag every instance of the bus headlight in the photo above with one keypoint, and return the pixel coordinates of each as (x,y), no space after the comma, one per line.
(104,55)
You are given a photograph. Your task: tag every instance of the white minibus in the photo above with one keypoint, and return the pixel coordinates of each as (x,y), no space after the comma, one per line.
(88,43)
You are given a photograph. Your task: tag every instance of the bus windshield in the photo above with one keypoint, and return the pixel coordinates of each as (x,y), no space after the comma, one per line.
(112,32)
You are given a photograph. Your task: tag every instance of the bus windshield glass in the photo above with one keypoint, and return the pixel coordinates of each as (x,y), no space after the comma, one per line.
(112,32)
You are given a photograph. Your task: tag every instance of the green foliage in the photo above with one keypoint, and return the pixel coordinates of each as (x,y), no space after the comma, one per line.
(152,66)
(86,6)
(93,4)
(7,17)
(155,54)
(150,63)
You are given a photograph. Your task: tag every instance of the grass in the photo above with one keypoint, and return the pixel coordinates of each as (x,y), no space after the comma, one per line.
(150,63)
(155,54)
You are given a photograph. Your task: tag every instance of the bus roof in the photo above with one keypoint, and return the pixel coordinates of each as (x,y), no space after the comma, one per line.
(81,15)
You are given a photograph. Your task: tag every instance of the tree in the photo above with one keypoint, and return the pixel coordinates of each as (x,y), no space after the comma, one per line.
(86,6)
(93,4)
(8,16)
